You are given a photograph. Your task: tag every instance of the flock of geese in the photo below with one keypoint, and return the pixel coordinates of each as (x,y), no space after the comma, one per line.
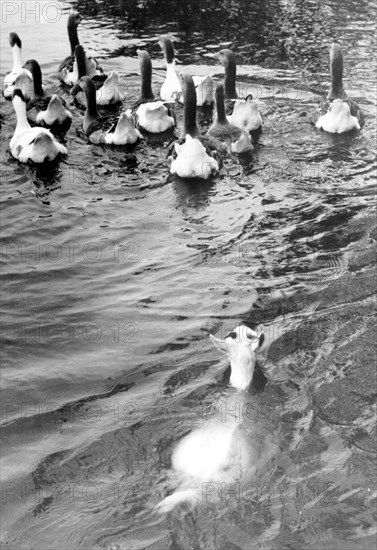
(42,120)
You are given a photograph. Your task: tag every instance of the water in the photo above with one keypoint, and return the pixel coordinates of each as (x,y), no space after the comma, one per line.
(113,275)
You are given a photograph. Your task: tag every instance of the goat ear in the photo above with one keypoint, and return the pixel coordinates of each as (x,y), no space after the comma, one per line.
(261,340)
(219,343)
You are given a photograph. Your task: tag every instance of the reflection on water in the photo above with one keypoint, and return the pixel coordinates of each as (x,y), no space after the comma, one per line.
(114,274)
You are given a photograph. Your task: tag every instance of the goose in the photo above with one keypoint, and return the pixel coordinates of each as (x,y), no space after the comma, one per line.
(207,454)
(70,75)
(171,89)
(49,111)
(337,114)
(108,95)
(152,116)
(68,71)
(221,128)
(245,114)
(194,156)
(32,144)
(25,77)
(109,130)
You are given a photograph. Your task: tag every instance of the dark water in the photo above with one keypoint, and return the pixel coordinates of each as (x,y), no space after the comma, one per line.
(113,275)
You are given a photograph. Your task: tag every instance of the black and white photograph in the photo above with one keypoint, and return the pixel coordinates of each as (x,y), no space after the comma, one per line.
(188,275)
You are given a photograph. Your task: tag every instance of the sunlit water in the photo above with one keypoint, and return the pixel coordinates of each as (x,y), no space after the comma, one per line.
(114,274)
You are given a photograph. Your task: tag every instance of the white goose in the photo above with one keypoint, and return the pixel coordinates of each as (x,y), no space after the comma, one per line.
(239,140)
(108,95)
(152,116)
(68,71)
(45,110)
(245,115)
(194,155)
(208,453)
(111,130)
(32,144)
(24,76)
(171,89)
(338,113)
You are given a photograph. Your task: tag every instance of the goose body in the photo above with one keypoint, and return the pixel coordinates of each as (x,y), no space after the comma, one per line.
(24,76)
(46,110)
(108,94)
(246,115)
(171,88)
(56,116)
(192,160)
(71,69)
(123,132)
(32,144)
(338,113)
(152,116)
(338,118)
(221,128)
(107,130)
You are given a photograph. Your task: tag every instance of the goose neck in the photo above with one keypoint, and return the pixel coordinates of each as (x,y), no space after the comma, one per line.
(230,79)
(242,370)
(17,61)
(220,106)
(36,72)
(189,110)
(336,72)
(22,122)
(146,79)
(90,95)
(73,36)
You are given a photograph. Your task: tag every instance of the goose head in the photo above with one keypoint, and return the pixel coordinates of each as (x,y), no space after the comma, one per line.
(168,48)
(16,45)
(146,75)
(241,346)
(228,59)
